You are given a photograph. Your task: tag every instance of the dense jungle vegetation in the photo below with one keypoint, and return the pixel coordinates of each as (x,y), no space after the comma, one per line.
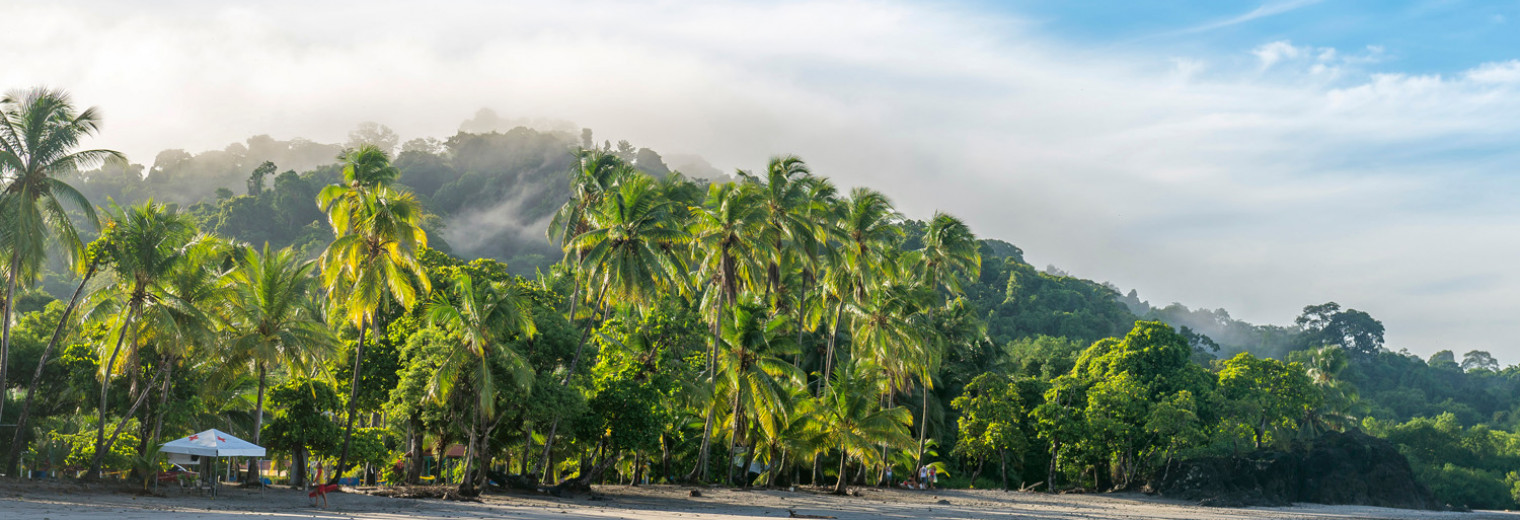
(582,312)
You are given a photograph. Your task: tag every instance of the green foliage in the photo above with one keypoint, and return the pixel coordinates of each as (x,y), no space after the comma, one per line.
(301,420)
(73,452)
(991,415)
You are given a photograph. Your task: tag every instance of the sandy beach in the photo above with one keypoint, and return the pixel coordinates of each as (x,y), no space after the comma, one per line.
(67,501)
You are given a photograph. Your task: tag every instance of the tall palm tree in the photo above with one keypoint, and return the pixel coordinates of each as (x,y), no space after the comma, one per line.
(195,293)
(867,231)
(752,372)
(373,258)
(274,320)
(784,198)
(951,252)
(148,244)
(39,132)
(629,253)
(483,316)
(851,418)
(725,248)
(594,174)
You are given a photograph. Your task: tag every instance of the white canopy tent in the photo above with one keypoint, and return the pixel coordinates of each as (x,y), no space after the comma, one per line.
(211,443)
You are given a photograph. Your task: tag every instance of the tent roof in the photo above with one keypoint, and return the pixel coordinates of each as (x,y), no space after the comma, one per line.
(213,443)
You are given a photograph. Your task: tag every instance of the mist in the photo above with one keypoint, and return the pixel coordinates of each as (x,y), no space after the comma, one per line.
(1256,179)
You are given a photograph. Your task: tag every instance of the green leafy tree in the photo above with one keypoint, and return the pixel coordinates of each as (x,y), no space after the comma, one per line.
(991,412)
(1268,394)
(300,425)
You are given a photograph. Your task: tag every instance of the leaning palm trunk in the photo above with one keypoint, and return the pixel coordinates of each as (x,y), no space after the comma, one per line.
(923,428)
(163,400)
(105,388)
(31,390)
(700,472)
(353,403)
(5,324)
(105,447)
(586,333)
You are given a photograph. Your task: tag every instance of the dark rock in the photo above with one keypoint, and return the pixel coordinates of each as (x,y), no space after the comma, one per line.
(696,493)
(1339,468)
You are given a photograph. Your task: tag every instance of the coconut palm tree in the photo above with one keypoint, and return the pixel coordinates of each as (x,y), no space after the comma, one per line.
(629,253)
(850,418)
(751,371)
(147,246)
(594,173)
(195,293)
(867,231)
(39,132)
(274,320)
(951,252)
(725,248)
(483,316)
(784,198)
(373,258)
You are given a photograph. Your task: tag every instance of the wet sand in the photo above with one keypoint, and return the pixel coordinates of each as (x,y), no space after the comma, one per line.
(60,501)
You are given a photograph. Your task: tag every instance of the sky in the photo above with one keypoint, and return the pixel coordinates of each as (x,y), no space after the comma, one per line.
(1252,156)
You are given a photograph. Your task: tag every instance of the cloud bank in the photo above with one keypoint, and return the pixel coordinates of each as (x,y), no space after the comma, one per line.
(1259,180)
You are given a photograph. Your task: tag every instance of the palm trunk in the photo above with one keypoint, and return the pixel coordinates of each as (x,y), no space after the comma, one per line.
(923,427)
(105,447)
(105,389)
(467,480)
(258,425)
(590,322)
(733,438)
(353,403)
(17,442)
(163,400)
(414,470)
(5,324)
(844,458)
(700,472)
(828,359)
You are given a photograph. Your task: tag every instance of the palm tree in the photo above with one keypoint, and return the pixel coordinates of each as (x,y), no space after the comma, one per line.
(752,372)
(724,247)
(594,173)
(482,316)
(195,295)
(850,418)
(374,257)
(951,252)
(628,253)
(39,131)
(784,198)
(274,320)
(868,230)
(148,244)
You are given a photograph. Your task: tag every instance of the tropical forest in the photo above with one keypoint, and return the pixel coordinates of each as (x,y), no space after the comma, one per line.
(540,308)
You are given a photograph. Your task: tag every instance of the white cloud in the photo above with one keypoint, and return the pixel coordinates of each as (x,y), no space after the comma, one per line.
(1259,191)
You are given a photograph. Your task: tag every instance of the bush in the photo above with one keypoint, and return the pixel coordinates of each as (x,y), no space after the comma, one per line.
(1467,487)
(73,452)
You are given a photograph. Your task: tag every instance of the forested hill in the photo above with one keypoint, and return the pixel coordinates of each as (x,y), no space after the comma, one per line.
(491,193)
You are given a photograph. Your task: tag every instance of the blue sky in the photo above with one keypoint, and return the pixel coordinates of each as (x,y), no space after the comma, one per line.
(1424,37)
(1257,157)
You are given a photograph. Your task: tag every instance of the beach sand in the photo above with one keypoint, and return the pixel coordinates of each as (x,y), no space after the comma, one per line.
(59,501)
